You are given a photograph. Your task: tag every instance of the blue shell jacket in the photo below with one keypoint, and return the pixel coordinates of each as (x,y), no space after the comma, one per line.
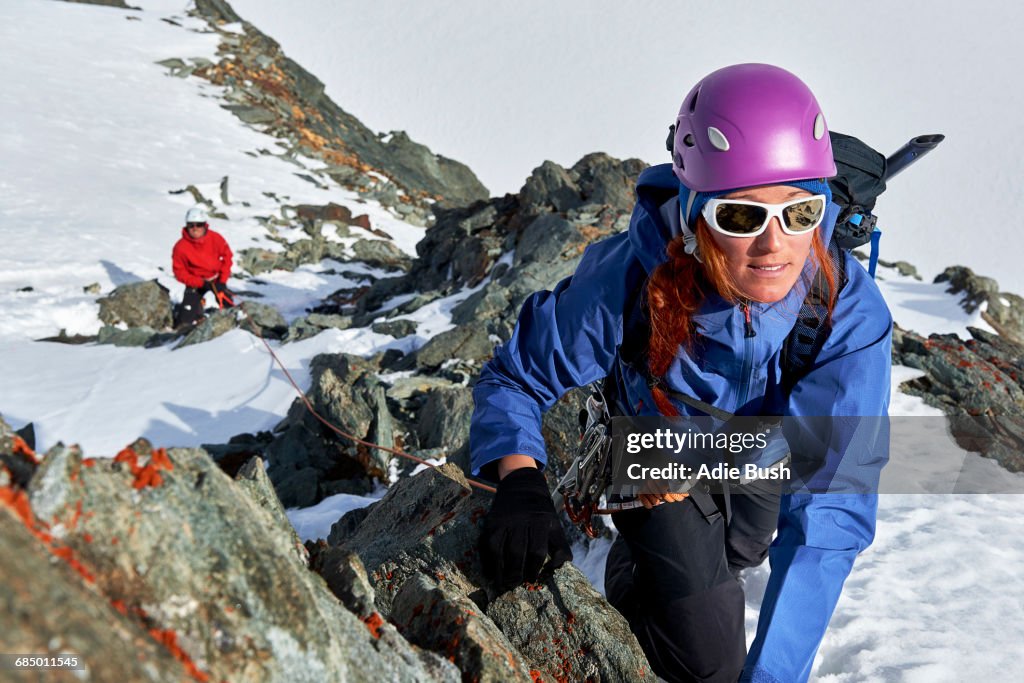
(569,337)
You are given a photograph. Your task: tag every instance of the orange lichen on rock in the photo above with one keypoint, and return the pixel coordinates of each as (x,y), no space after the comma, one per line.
(374,623)
(69,558)
(169,639)
(17,501)
(149,474)
(21,448)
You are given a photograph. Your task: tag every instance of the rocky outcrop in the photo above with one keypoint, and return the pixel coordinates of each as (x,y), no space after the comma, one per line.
(419,547)
(47,607)
(186,565)
(1002,310)
(137,304)
(979,378)
(513,245)
(307,460)
(266,89)
(196,576)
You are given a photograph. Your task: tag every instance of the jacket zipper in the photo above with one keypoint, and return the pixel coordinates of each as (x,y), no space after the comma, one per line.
(748,354)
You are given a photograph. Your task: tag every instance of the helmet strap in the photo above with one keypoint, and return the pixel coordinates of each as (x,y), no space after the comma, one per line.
(689,236)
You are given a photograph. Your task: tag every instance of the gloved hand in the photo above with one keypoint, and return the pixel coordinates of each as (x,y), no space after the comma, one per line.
(225,299)
(521,530)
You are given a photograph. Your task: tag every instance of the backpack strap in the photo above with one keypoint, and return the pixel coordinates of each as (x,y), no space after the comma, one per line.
(812,327)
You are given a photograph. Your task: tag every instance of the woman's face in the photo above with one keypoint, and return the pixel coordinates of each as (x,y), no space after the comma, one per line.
(766,267)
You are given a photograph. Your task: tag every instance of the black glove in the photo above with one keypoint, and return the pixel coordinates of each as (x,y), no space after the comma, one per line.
(521,530)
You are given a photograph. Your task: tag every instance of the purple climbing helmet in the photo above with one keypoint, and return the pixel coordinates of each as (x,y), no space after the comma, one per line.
(747,125)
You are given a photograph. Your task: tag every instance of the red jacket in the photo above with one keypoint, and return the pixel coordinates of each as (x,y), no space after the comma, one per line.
(195,260)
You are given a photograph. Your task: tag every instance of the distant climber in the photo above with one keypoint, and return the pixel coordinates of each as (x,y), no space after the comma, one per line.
(202,262)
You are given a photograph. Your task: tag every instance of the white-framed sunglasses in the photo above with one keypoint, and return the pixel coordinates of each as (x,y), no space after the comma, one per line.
(745,218)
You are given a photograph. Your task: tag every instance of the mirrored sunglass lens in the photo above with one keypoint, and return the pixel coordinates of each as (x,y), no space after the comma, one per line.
(804,215)
(741,219)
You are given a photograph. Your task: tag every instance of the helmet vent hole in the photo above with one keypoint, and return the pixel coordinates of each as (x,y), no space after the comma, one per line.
(693,101)
(819,126)
(679,162)
(688,140)
(718,139)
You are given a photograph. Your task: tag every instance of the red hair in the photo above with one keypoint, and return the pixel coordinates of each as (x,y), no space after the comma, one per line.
(677,287)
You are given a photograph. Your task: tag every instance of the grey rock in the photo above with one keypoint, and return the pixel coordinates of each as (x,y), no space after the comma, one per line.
(45,606)
(607,181)
(301,329)
(380,292)
(267,318)
(256,261)
(93,288)
(979,377)
(444,420)
(217,11)
(120,4)
(414,304)
(325,321)
(252,478)
(469,342)
(550,187)
(306,251)
(297,488)
(431,615)
(314,324)
(382,432)
(137,304)
(381,253)
(976,289)
(133,336)
(306,457)
(325,212)
(405,387)
(346,578)
(216,324)
(395,328)
(425,531)
(544,240)
(488,303)
(902,267)
(251,115)
(428,522)
(416,164)
(570,632)
(1004,311)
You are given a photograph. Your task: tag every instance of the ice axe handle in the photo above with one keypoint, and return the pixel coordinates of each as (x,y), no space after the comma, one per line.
(911,152)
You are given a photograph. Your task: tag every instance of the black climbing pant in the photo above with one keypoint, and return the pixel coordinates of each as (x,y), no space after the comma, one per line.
(191,309)
(672,574)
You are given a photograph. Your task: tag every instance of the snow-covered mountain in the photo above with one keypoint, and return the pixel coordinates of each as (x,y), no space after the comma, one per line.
(98,140)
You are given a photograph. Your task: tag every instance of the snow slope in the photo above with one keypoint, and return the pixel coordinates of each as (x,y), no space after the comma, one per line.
(96,135)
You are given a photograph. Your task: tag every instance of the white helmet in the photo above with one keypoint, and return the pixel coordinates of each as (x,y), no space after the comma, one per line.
(196,214)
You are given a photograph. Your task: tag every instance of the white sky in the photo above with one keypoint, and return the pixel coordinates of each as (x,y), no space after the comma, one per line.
(504,85)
